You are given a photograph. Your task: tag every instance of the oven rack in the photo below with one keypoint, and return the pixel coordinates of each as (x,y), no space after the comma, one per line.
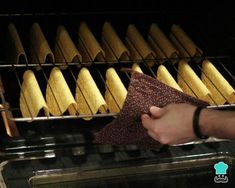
(170,63)
(157,60)
(9,112)
(13,68)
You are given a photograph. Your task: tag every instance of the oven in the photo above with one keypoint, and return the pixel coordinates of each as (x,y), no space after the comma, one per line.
(59,150)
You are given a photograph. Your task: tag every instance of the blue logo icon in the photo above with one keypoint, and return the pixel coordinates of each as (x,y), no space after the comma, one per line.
(221,172)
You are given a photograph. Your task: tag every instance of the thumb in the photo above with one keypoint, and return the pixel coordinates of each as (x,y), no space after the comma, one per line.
(156,112)
(147,121)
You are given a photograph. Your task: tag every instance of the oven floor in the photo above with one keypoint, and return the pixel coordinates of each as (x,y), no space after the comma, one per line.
(194,178)
(190,178)
(191,166)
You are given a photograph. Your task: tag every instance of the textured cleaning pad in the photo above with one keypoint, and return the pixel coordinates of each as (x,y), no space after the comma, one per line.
(143,92)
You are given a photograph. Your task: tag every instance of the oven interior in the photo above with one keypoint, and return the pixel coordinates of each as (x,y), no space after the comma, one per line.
(61,152)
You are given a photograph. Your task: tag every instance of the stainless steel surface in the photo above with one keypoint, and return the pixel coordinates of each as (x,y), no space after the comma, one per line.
(48,177)
(53,171)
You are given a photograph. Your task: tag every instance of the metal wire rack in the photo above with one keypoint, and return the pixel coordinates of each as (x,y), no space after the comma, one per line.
(11,113)
(120,65)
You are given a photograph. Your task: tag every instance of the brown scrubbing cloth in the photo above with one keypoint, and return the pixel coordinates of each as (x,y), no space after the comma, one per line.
(143,92)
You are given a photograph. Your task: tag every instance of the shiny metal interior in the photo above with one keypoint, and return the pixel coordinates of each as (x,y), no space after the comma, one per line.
(79,175)
(184,163)
(91,174)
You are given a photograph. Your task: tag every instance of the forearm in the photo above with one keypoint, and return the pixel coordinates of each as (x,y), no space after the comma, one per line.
(220,124)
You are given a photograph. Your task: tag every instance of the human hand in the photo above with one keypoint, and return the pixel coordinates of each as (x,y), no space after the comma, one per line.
(171,124)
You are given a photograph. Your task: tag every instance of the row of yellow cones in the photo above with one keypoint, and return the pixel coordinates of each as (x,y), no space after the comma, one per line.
(212,87)
(110,48)
(88,99)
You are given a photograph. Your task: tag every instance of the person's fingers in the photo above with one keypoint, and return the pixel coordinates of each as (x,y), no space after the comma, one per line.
(153,135)
(147,121)
(156,112)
